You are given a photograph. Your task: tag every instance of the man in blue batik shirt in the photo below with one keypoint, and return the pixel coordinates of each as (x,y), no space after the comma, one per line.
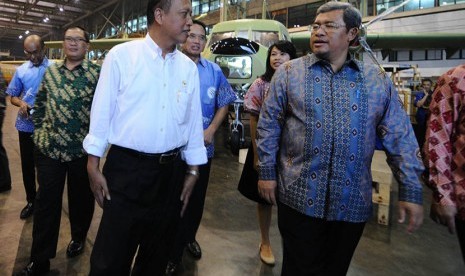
(23,89)
(216,94)
(316,138)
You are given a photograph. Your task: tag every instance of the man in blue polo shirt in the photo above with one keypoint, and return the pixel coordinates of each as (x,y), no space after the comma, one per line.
(23,89)
(215,94)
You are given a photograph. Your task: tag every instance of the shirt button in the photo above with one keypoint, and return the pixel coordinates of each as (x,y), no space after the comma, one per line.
(163,107)
(161,129)
(164,85)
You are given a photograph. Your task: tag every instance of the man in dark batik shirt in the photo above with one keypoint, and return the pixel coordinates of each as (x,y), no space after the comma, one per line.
(316,137)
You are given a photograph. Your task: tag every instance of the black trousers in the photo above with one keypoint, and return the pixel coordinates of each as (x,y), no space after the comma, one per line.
(313,246)
(190,222)
(51,175)
(5,177)
(26,149)
(141,216)
(460,229)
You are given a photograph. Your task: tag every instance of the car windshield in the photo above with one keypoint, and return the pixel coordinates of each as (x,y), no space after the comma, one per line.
(237,67)
(266,38)
(220,36)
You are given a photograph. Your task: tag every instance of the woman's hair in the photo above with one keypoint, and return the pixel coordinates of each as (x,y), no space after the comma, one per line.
(284,46)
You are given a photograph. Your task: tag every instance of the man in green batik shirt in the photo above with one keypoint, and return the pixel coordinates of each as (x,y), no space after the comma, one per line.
(61,119)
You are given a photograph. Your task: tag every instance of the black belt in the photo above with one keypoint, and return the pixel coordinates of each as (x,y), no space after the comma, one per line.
(163,158)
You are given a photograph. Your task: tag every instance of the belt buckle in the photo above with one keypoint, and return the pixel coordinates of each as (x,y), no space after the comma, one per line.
(167,157)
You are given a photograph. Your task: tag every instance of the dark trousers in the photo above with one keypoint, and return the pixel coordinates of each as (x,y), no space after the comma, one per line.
(51,175)
(190,222)
(141,216)
(26,149)
(5,178)
(420,133)
(460,228)
(313,246)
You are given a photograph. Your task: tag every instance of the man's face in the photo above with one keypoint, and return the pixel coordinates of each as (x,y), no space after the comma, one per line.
(331,40)
(195,42)
(177,21)
(34,51)
(426,85)
(75,45)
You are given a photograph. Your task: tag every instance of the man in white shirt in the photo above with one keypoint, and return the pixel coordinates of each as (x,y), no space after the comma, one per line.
(147,106)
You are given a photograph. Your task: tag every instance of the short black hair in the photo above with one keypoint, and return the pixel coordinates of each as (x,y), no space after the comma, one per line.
(86,33)
(352,17)
(284,46)
(198,22)
(430,81)
(152,5)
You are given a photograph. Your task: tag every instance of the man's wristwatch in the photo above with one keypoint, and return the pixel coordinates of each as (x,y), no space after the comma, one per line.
(193,172)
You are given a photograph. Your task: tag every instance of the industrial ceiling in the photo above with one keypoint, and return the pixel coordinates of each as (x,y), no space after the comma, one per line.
(20,17)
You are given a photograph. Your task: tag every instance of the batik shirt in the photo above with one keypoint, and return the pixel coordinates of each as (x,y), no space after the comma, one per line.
(316,136)
(445,140)
(215,92)
(25,84)
(254,97)
(62,110)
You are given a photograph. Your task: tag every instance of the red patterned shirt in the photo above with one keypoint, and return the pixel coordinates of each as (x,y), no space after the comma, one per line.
(445,146)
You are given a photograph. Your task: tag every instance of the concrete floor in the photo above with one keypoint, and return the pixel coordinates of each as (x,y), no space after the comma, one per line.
(229,234)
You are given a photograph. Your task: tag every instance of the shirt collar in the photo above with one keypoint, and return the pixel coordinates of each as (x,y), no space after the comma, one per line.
(350,61)
(43,64)
(203,61)
(156,51)
(85,64)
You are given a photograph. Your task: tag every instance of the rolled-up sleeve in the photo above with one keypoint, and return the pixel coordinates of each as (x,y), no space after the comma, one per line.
(195,153)
(103,106)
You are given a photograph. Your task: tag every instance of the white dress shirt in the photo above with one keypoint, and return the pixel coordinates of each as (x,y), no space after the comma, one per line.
(147,103)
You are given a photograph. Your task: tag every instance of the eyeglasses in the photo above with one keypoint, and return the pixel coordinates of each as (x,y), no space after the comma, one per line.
(70,39)
(200,37)
(327,27)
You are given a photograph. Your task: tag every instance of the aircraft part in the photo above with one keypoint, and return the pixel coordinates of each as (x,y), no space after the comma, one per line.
(235,46)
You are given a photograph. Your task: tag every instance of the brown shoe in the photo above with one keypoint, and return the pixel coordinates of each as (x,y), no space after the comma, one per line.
(266,255)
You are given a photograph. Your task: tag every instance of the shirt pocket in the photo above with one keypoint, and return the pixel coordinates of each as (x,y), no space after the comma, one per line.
(182,104)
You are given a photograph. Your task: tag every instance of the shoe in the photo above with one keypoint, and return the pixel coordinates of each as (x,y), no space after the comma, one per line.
(194,249)
(5,189)
(266,255)
(27,211)
(35,268)
(74,249)
(171,269)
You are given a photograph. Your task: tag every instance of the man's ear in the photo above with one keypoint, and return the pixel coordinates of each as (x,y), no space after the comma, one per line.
(158,15)
(353,33)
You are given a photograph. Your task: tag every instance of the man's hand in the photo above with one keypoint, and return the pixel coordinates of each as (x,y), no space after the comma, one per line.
(208,135)
(267,190)
(415,213)
(23,109)
(189,184)
(98,183)
(444,214)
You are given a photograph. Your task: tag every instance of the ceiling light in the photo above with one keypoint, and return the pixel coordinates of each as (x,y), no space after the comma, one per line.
(61,9)
(26,32)
(20,36)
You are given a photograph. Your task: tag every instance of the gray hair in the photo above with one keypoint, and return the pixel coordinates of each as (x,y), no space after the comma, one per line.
(352,17)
